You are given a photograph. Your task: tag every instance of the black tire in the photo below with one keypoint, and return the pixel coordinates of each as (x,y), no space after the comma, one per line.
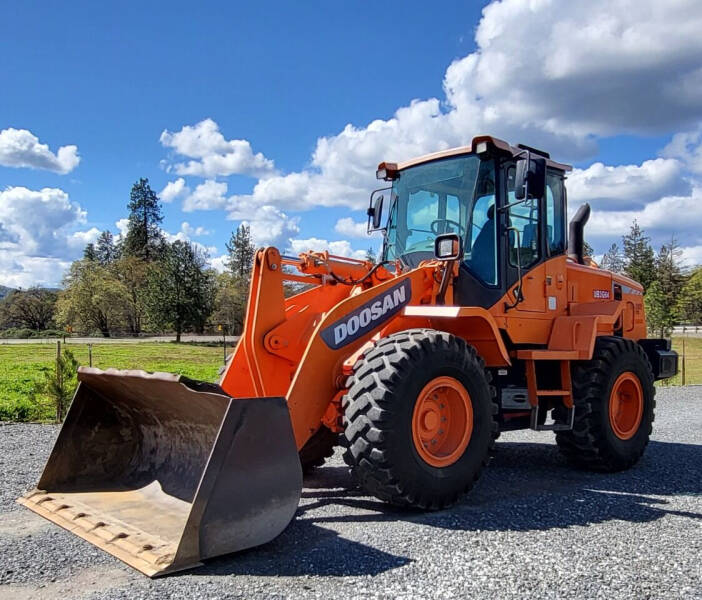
(318,448)
(592,443)
(378,409)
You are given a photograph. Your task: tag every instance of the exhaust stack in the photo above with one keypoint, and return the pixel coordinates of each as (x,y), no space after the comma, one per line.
(576,240)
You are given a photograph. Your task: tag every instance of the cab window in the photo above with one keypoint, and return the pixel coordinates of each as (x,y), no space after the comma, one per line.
(523,219)
(555,214)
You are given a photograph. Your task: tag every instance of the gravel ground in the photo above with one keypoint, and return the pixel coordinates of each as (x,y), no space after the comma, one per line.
(531,527)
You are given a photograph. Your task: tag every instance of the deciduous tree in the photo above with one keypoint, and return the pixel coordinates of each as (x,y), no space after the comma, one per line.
(32,308)
(689,303)
(92,299)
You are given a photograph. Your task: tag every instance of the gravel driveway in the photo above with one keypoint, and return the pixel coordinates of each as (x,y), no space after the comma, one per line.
(531,527)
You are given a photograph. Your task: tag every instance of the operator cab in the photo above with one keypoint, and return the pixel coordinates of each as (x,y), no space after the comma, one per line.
(472,192)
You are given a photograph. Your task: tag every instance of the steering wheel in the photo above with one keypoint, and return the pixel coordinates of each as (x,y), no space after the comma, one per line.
(437,222)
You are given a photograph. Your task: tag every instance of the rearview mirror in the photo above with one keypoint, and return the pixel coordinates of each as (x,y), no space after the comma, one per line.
(530,178)
(375,212)
(447,246)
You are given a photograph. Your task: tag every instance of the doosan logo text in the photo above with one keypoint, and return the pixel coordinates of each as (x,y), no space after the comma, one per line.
(367,316)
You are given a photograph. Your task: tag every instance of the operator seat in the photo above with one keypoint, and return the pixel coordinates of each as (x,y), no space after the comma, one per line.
(483,261)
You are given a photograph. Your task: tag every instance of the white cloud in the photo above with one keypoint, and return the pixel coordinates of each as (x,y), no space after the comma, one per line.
(626,186)
(80,239)
(598,68)
(191,231)
(21,148)
(219,263)
(340,247)
(41,233)
(348,227)
(272,227)
(174,189)
(687,147)
(692,255)
(122,226)
(210,195)
(680,215)
(214,155)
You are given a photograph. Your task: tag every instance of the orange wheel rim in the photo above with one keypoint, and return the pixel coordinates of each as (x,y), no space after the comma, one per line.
(626,405)
(442,422)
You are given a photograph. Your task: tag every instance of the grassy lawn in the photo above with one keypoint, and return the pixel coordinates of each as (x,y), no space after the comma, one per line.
(22,365)
(693,361)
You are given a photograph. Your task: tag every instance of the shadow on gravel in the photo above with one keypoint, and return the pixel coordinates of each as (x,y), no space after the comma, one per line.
(530,487)
(527,487)
(305,549)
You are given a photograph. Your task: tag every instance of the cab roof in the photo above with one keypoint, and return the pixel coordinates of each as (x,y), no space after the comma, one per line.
(498,144)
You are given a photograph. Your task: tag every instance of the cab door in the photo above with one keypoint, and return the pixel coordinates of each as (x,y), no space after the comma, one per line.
(524,251)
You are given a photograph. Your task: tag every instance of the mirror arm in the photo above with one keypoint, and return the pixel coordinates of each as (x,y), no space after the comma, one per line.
(443,286)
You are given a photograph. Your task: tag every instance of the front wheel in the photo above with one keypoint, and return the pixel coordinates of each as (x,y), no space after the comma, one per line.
(614,407)
(419,419)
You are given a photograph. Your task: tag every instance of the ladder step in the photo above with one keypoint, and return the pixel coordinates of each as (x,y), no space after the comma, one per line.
(552,393)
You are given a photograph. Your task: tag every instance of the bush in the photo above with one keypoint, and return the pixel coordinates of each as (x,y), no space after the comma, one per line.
(22,411)
(23,333)
(17,332)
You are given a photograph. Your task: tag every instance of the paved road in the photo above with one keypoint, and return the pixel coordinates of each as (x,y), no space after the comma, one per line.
(127,340)
(532,527)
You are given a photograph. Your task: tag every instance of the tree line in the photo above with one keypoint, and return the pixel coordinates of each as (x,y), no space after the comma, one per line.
(139,283)
(672,291)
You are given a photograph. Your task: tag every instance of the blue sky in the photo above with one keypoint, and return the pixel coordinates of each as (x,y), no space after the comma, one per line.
(131,88)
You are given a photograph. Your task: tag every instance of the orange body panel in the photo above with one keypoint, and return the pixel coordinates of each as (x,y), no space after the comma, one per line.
(289,347)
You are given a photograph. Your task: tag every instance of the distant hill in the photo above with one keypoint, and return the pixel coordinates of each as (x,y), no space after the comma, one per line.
(4,290)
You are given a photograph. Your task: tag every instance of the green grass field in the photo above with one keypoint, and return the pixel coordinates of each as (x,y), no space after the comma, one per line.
(22,365)
(693,361)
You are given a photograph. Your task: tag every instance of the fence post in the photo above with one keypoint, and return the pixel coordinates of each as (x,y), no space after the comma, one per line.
(682,373)
(58,362)
(90,355)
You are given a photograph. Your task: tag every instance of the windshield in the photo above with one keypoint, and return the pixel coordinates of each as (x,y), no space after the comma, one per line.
(454,195)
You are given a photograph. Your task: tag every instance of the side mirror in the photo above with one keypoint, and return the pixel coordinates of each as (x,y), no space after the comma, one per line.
(530,178)
(375,212)
(448,246)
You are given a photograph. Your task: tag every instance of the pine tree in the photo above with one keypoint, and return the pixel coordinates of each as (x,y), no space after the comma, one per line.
(144,238)
(370,255)
(89,253)
(613,260)
(106,251)
(639,258)
(587,249)
(241,252)
(181,289)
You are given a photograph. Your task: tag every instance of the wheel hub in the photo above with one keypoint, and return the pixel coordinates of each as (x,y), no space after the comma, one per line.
(442,422)
(626,406)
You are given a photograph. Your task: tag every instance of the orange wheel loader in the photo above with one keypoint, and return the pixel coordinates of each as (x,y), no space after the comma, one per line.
(482,315)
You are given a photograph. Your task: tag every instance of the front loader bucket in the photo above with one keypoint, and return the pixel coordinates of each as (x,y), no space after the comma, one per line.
(163,472)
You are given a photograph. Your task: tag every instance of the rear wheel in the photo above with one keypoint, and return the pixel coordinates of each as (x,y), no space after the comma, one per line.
(614,407)
(419,419)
